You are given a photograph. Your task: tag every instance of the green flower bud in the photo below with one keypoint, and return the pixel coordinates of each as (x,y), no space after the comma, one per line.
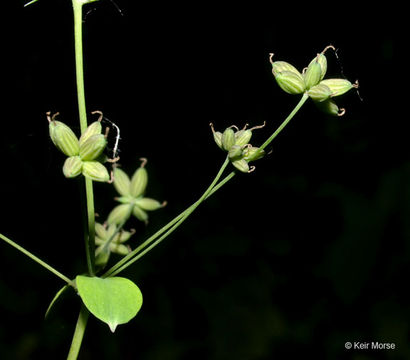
(91,148)
(100,231)
(338,86)
(228,139)
(102,255)
(330,107)
(119,249)
(235,153)
(140,214)
(72,166)
(96,171)
(252,153)
(93,129)
(280,66)
(124,236)
(313,73)
(121,182)
(287,76)
(291,82)
(63,138)
(139,182)
(241,165)
(323,61)
(119,214)
(242,137)
(320,92)
(148,204)
(217,136)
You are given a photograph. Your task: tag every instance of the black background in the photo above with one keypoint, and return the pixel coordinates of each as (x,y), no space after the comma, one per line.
(308,252)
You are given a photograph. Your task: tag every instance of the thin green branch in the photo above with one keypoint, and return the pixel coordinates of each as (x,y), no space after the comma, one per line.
(90,239)
(36,259)
(78,333)
(285,122)
(171,227)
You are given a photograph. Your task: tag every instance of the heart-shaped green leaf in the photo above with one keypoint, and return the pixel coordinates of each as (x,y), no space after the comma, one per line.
(114,300)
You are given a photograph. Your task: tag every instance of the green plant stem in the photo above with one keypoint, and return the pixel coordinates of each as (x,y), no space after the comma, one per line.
(78,333)
(171,227)
(36,259)
(79,66)
(89,237)
(165,231)
(286,121)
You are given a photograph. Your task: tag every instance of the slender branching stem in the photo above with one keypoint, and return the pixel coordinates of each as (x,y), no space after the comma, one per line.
(36,259)
(286,121)
(166,230)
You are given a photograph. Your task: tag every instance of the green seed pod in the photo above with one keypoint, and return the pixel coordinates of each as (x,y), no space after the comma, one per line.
(102,255)
(63,138)
(139,182)
(291,82)
(72,166)
(330,107)
(119,249)
(91,148)
(140,214)
(252,153)
(121,182)
(242,137)
(100,231)
(217,136)
(119,214)
(110,231)
(124,236)
(228,139)
(235,153)
(320,92)
(280,66)
(94,128)
(338,86)
(96,171)
(313,73)
(148,204)
(241,165)
(321,59)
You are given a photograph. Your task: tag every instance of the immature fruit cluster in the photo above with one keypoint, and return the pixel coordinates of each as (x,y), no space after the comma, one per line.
(311,81)
(109,239)
(132,197)
(84,154)
(236,143)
